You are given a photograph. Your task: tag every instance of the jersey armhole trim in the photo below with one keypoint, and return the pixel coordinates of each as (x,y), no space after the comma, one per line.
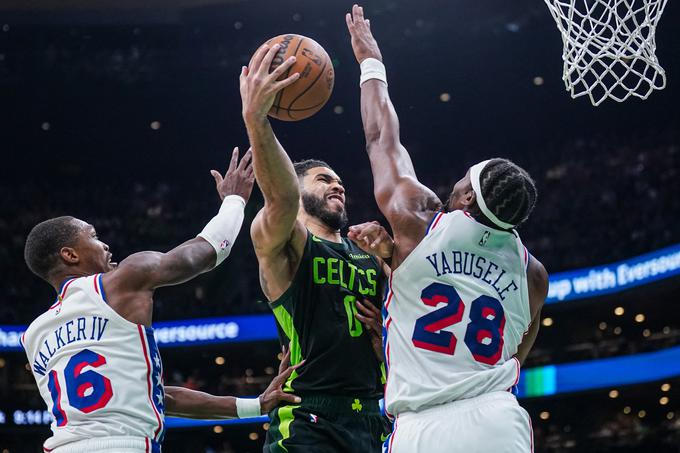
(433,223)
(99,287)
(293,283)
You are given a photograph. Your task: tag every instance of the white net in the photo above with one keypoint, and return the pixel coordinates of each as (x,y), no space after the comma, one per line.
(609,47)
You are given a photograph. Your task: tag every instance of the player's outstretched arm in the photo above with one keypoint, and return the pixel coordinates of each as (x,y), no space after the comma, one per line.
(183,402)
(272,228)
(396,187)
(537,277)
(150,270)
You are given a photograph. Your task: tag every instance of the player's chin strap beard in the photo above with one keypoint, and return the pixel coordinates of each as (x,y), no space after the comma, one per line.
(475,172)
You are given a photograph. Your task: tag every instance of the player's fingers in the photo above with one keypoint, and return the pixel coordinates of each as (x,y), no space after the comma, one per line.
(370,324)
(256,61)
(285,82)
(283,396)
(218,177)
(349,21)
(358,13)
(282,68)
(246,160)
(285,361)
(267,60)
(234,160)
(364,309)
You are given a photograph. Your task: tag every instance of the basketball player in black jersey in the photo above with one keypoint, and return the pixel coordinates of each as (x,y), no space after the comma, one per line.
(314,280)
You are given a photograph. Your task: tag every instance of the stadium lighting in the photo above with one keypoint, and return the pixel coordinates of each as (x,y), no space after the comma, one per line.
(602,325)
(253,436)
(218,429)
(544,415)
(219,360)
(619,311)
(639,317)
(626,410)
(642,413)
(665,387)
(547,322)
(613,393)
(663,400)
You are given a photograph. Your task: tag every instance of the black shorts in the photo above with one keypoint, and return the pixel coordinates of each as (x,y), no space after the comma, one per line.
(327,424)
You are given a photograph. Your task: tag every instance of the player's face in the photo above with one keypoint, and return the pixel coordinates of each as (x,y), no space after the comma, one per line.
(462,194)
(323,196)
(94,254)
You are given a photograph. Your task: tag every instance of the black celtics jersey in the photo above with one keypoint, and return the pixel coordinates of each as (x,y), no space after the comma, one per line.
(316,316)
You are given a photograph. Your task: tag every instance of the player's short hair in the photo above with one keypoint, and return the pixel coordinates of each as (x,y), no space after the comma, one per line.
(45,241)
(303,166)
(508,190)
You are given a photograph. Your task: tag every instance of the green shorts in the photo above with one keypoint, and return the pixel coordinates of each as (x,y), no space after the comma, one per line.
(327,424)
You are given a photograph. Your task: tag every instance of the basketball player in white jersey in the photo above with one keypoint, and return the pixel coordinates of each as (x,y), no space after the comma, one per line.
(93,353)
(464,297)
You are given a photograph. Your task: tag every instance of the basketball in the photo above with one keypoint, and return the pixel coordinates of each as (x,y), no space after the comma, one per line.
(311,91)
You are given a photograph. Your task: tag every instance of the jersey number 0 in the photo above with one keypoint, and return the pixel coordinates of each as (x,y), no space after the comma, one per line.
(484,334)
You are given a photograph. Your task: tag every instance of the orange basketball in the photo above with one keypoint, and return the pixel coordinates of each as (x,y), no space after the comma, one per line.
(311,91)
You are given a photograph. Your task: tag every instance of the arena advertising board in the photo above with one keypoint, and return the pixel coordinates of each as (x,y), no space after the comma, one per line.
(616,277)
(198,331)
(564,286)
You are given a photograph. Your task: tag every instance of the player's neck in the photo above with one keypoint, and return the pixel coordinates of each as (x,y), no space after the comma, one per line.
(319,229)
(58,281)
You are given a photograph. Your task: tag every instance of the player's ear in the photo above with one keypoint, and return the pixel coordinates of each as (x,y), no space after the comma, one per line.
(69,255)
(469,198)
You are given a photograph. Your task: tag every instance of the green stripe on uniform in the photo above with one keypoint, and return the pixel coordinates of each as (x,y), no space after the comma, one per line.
(285,415)
(285,320)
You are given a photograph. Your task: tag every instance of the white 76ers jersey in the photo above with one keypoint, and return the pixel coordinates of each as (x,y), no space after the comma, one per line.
(99,374)
(455,312)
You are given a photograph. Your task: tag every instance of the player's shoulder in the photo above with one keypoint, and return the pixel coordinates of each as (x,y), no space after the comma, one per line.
(537,277)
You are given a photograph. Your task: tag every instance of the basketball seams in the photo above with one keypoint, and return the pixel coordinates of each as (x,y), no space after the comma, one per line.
(321,72)
(279,95)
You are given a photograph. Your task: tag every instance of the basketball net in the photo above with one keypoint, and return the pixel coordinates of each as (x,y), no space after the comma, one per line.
(609,47)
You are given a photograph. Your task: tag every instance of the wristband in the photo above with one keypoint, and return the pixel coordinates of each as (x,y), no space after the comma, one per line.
(372,68)
(248,407)
(222,229)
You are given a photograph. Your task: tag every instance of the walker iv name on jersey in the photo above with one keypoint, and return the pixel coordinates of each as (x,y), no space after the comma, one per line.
(83,328)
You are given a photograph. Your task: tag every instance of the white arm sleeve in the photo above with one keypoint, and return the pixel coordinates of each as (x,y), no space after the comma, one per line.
(222,229)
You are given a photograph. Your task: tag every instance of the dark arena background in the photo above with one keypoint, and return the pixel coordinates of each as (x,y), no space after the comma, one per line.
(115,111)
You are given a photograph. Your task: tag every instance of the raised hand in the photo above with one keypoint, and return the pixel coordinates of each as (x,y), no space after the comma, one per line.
(371,318)
(274,394)
(239,178)
(259,86)
(372,238)
(363,42)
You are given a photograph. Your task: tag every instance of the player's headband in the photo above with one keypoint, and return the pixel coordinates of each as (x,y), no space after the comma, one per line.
(475,171)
